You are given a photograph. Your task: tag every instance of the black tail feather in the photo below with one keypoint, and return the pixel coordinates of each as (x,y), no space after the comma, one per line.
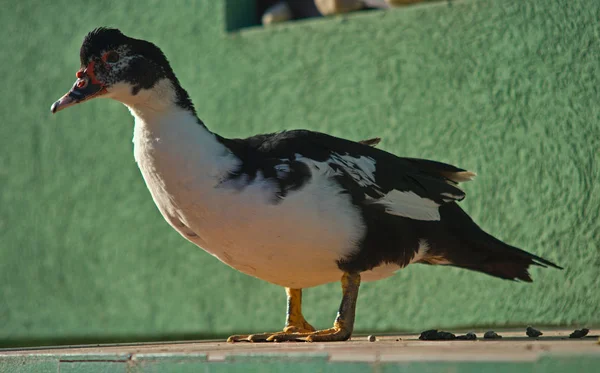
(482,252)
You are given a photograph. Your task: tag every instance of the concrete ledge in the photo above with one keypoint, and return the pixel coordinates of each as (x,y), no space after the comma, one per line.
(553,352)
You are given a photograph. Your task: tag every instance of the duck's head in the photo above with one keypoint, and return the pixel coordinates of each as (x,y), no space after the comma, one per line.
(132,71)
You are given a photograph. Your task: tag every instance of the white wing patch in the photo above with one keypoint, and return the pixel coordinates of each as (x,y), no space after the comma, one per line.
(361,169)
(399,203)
(409,205)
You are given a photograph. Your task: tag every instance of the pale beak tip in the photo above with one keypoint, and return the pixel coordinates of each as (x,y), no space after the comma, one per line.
(54,107)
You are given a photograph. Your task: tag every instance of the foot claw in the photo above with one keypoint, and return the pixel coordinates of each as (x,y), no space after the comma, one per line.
(292,331)
(288,337)
(235,338)
(262,337)
(329,335)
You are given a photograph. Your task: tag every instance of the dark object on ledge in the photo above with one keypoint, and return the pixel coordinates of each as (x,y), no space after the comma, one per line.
(491,335)
(532,333)
(435,335)
(467,337)
(579,333)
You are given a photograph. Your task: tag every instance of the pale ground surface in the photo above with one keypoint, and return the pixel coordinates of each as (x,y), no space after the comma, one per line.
(515,346)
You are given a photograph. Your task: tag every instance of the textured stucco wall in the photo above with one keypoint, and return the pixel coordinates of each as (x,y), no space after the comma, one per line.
(505,88)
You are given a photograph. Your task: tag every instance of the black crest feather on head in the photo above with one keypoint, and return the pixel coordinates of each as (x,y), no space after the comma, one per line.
(157,66)
(99,39)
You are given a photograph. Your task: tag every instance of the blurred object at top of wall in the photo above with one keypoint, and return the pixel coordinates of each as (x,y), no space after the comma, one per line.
(277,11)
(330,7)
(402,2)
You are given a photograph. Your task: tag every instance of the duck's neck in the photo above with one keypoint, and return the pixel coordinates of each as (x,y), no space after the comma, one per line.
(165,98)
(169,135)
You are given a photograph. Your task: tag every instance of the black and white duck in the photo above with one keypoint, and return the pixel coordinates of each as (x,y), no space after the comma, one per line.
(294,208)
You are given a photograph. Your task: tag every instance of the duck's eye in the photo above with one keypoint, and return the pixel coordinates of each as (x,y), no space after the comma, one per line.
(111,57)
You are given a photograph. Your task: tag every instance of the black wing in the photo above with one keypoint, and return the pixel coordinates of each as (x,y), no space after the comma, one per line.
(268,153)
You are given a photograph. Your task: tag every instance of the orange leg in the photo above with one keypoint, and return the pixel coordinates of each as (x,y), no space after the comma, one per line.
(294,321)
(297,329)
(344,322)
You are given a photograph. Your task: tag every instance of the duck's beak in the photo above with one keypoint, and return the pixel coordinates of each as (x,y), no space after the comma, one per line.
(85,87)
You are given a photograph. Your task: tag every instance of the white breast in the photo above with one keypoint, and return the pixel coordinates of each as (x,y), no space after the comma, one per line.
(294,243)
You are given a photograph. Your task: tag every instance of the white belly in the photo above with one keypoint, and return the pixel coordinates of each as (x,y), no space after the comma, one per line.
(295,243)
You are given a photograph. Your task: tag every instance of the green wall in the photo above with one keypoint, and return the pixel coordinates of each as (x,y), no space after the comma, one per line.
(508,89)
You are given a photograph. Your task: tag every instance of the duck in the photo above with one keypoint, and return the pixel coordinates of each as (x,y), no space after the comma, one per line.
(295,208)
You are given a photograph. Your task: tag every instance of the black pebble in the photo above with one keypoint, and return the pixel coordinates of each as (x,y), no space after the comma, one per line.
(579,333)
(533,333)
(491,335)
(467,337)
(435,335)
